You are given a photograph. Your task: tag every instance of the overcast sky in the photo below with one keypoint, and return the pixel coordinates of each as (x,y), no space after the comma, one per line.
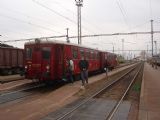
(30,19)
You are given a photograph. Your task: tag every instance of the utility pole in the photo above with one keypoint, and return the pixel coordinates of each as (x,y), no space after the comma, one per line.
(155,47)
(152,35)
(113,48)
(67,37)
(147,51)
(79,4)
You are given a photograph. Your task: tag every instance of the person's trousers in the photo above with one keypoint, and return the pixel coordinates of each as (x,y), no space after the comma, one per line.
(84,76)
(71,76)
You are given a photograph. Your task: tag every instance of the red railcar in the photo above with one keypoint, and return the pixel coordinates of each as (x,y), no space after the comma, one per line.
(48,60)
(11,60)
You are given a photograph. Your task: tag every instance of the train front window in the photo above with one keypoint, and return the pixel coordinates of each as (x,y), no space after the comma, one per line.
(46,53)
(28,53)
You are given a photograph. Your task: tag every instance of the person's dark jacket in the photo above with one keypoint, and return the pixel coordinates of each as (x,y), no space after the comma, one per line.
(83,65)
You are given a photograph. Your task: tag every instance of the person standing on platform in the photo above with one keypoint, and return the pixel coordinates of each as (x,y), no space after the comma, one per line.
(106,70)
(70,69)
(83,65)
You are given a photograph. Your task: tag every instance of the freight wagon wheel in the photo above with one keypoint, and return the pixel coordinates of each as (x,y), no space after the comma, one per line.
(5,72)
(9,72)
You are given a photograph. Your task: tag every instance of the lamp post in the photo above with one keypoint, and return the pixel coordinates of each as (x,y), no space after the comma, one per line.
(79,4)
(123,47)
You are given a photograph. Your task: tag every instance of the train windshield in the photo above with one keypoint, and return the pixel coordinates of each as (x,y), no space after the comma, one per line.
(46,53)
(28,53)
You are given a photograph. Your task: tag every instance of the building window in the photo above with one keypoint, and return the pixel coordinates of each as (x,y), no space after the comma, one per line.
(28,53)
(46,53)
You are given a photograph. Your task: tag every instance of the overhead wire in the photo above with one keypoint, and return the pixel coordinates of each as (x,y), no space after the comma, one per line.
(150,7)
(84,19)
(59,14)
(29,23)
(28,16)
(122,12)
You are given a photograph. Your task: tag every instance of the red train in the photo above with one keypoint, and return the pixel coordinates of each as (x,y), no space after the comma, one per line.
(11,60)
(47,60)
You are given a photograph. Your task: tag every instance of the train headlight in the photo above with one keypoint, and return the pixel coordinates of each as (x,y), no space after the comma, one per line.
(26,67)
(47,67)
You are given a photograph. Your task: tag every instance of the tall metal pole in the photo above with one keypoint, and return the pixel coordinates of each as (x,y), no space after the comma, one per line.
(147,50)
(113,48)
(67,37)
(79,4)
(123,47)
(152,35)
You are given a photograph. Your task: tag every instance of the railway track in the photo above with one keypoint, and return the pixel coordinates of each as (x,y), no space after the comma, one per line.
(12,80)
(18,94)
(76,108)
(28,90)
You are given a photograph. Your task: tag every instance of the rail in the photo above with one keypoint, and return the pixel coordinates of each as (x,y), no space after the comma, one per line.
(94,95)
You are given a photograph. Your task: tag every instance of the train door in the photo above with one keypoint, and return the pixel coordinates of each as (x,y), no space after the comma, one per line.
(46,60)
(36,62)
(59,61)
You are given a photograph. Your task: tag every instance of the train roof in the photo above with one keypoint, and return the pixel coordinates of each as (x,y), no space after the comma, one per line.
(62,42)
(5,45)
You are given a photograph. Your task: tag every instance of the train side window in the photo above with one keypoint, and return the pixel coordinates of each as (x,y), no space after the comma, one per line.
(96,57)
(46,53)
(92,55)
(75,53)
(87,55)
(82,53)
(28,53)
(106,56)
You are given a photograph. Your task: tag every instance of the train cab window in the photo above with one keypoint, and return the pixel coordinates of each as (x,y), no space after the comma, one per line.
(82,53)
(28,53)
(46,53)
(75,53)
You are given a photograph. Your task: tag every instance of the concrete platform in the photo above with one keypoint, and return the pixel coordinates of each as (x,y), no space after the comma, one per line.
(149,108)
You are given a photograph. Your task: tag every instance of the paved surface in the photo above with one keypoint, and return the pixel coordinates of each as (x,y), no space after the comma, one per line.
(14,84)
(149,108)
(38,106)
(10,78)
(96,109)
